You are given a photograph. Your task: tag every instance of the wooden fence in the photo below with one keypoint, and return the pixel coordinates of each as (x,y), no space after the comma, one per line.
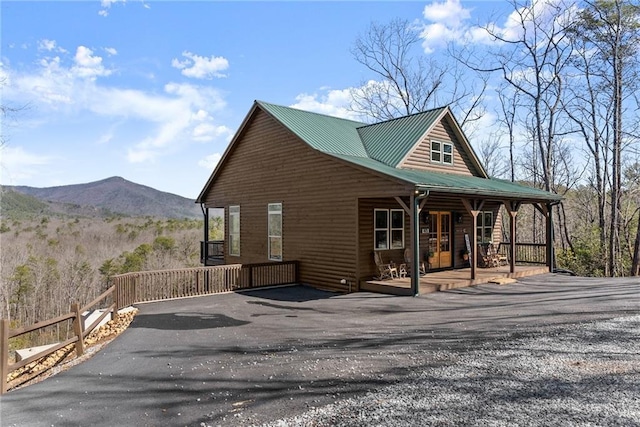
(79,333)
(143,286)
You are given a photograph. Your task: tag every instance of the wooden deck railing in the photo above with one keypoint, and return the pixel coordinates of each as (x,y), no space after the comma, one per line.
(526,253)
(143,286)
(215,252)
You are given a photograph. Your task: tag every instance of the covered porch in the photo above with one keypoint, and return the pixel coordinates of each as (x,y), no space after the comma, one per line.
(452,279)
(450,233)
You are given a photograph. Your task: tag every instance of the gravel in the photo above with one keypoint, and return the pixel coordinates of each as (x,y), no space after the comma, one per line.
(584,374)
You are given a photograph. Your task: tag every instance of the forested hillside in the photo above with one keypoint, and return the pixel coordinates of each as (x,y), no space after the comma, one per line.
(50,262)
(110,196)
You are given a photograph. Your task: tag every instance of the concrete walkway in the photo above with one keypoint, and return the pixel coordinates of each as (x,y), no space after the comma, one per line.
(241,359)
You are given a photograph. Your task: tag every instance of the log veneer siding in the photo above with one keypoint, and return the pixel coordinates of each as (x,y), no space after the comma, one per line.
(270,164)
(420,158)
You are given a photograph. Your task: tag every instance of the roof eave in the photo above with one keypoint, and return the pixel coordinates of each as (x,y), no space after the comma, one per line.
(495,194)
(227,151)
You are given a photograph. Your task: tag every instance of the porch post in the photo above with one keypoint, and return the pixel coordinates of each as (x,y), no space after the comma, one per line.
(417,201)
(474,209)
(205,246)
(413,220)
(551,262)
(512,207)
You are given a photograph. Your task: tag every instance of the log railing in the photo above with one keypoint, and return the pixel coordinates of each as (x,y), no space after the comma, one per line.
(79,333)
(143,286)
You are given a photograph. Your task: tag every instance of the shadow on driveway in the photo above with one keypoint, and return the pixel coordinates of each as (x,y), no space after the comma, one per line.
(184,321)
(251,357)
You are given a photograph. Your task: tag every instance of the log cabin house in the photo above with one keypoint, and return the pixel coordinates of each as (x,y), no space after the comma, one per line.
(329,192)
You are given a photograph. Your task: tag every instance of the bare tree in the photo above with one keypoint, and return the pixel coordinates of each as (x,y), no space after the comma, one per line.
(507,116)
(531,60)
(407,82)
(612,30)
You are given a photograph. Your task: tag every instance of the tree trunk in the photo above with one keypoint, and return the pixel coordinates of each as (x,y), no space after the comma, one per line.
(635,265)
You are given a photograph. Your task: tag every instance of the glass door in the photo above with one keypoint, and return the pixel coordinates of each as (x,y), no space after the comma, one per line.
(439,226)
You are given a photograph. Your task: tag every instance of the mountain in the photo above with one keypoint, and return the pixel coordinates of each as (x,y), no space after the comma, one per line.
(110,196)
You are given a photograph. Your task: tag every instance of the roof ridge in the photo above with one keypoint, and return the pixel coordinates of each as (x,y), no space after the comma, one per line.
(404,117)
(308,112)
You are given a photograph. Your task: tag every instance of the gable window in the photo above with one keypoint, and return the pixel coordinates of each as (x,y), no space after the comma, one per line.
(388,229)
(442,152)
(234,230)
(484,228)
(275,231)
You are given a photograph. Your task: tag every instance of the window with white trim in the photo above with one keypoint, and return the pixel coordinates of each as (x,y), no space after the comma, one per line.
(484,227)
(442,152)
(388,229)
(234,230)
(275,231)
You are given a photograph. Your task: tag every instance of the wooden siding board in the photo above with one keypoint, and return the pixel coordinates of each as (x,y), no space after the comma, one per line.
(420,158)
(270,164)
(433,203)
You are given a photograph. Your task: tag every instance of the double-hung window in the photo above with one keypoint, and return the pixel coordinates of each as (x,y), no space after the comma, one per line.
(275,231)
(442,152)
(234,230)
(484,227)
(388,229)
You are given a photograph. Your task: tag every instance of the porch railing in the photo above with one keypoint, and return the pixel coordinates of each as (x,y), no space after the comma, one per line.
(142,286)
(215,252)
(526,253)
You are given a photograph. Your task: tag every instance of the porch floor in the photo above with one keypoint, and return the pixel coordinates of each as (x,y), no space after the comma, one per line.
(451,279)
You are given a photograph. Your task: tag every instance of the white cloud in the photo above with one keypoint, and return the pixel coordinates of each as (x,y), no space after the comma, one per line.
(111,51)
(332,102)
(447,23)
(201,67)
(19,165)
(170,120)
(87,64)
(449,12)
(50,46)
(210,161)
(106,5)
(208,131)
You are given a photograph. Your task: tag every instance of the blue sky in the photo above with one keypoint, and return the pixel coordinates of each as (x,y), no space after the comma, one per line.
(153,91)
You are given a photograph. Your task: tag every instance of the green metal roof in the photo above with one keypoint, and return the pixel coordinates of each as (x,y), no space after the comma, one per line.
(388,142)
(454,183)
(380,147)
(324,133)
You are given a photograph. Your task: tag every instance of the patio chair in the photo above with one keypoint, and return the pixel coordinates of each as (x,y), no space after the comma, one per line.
(502,258)
(408,261)
(385,270)
(486,259)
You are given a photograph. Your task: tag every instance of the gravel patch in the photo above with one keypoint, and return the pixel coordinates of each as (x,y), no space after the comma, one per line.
(583,374)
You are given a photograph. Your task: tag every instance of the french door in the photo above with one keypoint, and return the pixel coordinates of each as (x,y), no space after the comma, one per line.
(439,226)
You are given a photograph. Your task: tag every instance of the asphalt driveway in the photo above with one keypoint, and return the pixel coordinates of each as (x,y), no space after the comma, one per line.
(253,357)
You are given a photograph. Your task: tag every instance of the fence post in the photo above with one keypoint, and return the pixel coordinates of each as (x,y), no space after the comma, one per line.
(116,302)
(77,328)
(4,355)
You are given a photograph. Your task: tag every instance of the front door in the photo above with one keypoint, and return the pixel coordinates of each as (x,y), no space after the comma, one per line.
(439,226)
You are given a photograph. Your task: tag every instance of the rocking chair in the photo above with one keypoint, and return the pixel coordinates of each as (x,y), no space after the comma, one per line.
(385,270)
